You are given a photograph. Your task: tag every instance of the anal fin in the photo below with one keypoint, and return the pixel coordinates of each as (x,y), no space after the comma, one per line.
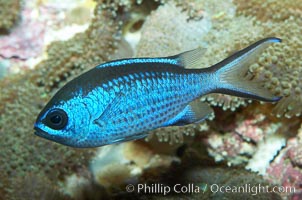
(131,137)
(194,112)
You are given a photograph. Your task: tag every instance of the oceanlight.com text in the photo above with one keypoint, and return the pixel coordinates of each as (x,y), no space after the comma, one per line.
(252,189)
(194,188)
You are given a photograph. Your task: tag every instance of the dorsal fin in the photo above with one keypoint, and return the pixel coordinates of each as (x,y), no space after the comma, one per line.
(190,59)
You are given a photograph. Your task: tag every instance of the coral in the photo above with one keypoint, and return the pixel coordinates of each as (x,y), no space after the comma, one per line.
(232,39)
(23,95)
(201,176)
(280,67)
(79,53)
(258,141)
(274,10)
(234,178)
(295,152)
(225,101)
(202,32)
(266,151)
(78,15)
(115,165)
(285,171)
(288,164)
(116,4)
(34,31)
(135,163)
(194,10)
(229,147)
(249,137)
(22,152)
(172,135)
(79,187)
(42,23)
(37,188)
(9,13)
(175,21)
(22,42)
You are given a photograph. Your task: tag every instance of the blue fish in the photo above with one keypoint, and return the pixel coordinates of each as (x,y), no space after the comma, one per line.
(122,100)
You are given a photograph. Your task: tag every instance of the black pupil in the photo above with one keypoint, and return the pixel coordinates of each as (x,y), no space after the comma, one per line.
(56,119)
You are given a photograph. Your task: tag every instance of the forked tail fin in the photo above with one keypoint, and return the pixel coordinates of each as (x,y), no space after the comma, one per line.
(231,72)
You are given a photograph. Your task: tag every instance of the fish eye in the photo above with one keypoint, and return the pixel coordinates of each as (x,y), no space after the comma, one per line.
(56,119)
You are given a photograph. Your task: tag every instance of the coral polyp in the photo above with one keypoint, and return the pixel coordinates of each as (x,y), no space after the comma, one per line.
(282,67)
(275,10)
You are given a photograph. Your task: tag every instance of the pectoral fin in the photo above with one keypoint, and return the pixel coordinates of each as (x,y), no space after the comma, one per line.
(194,112)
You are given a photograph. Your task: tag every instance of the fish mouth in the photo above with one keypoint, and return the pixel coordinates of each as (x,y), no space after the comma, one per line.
(41,133)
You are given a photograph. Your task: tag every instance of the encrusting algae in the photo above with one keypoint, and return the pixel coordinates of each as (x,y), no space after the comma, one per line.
(279,68)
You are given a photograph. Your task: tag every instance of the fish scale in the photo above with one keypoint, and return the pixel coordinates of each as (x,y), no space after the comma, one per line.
(147,96)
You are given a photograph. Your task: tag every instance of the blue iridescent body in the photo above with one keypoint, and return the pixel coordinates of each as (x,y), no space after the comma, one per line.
(122,100)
